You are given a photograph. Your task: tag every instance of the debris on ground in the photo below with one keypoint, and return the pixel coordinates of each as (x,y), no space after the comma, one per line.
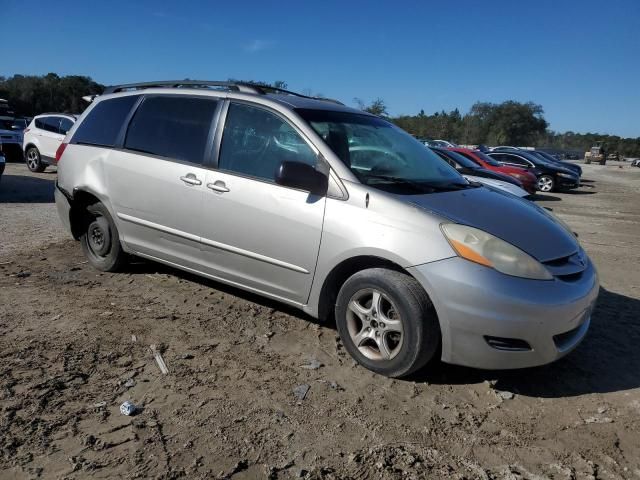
(312,364)
(159,360)
(506,395)
(128,408)
(300,392)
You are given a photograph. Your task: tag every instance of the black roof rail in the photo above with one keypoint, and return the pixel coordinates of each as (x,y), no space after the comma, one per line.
(240,87)
(231,85)
(55,113)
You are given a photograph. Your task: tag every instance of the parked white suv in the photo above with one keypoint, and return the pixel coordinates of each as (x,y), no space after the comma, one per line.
(42,138)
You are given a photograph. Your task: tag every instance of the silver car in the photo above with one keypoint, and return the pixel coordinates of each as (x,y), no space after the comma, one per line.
(331,210)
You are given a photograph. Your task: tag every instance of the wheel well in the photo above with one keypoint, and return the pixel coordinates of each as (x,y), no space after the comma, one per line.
(29,145)
(78,213)
(340,274)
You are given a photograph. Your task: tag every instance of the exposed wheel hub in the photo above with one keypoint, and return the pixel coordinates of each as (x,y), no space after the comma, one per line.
(99,237)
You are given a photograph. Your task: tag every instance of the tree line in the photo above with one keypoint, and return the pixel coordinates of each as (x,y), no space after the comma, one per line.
(506,123)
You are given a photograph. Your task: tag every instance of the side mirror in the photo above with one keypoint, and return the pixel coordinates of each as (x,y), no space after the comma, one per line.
(303,177)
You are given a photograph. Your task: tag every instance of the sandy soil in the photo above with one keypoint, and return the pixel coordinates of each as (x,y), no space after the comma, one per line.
(75,344)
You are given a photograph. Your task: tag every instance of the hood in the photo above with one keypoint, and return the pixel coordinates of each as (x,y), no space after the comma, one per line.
(519,222)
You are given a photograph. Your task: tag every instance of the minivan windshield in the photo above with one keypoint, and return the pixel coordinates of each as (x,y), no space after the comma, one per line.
(381,154)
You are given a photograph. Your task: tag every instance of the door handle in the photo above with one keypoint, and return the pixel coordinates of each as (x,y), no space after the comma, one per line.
(218,186)
(191,179)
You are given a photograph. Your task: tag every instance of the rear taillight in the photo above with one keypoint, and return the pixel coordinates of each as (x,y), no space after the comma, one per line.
(60,151)
(26,129)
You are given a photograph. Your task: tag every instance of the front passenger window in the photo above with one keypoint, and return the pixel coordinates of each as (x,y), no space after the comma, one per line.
(255,142)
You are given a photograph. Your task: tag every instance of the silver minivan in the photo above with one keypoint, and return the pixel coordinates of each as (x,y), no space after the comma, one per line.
(329,209)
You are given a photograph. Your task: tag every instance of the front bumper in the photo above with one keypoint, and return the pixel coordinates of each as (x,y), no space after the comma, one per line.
(474,302)
(12,151)
(567,183)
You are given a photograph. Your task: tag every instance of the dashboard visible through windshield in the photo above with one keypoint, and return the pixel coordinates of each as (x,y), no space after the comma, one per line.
(382,155)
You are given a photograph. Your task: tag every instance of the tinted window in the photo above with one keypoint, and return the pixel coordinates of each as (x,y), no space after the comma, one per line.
(460,159)
(103,123)
(174,127)
(255,142)
(65,125)
(52,124)
(485,158)
(514,160)
(40,123)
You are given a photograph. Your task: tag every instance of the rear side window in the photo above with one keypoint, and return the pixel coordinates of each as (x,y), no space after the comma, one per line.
(175,127)
(52,124)
(40,123)
(103,123)
(65,125)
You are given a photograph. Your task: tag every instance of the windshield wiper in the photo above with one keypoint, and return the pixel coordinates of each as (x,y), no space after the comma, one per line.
(398,180)
(422,185)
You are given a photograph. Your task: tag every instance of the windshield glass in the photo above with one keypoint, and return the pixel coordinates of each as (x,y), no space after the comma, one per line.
(487,159)
(379,153)
(459,159)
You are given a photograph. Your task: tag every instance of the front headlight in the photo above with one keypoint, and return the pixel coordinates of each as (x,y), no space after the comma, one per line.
(483,248)
(567,175)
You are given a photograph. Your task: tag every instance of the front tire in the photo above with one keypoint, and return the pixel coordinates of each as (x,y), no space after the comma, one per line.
(33,160)
(100,240)
(387,322)
(546,183)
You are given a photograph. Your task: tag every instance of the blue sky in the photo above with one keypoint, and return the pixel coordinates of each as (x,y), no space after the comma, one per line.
(579,59)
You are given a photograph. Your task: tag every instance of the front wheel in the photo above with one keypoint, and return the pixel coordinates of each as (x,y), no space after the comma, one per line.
(387,322)
(100,240)
(546,183)
(34,162)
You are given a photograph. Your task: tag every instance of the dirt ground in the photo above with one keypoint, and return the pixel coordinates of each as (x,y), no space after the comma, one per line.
(75,344)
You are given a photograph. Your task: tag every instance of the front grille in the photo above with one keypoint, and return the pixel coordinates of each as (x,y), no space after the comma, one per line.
(510,344)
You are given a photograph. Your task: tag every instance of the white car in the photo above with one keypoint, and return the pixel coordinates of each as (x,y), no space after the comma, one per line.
(499,184)
(42,138)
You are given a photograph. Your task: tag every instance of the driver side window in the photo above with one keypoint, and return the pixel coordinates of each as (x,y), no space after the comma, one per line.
(255,142)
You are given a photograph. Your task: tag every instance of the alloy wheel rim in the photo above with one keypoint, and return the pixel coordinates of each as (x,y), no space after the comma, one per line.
(32,159)
(544,184)
(374,325)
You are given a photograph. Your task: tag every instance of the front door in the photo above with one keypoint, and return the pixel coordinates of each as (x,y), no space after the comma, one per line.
(255,233)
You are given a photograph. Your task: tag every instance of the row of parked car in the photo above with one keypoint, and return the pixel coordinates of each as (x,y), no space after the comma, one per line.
(531,170)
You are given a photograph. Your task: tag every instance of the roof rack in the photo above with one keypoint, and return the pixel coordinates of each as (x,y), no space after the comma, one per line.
(233,86)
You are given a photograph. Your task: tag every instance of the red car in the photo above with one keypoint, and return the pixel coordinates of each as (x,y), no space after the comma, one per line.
(528,179)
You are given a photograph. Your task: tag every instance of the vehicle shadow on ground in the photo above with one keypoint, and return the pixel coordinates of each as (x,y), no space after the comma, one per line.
(580,192)
(23,189)
(140,266)
(608,359)
(539,197)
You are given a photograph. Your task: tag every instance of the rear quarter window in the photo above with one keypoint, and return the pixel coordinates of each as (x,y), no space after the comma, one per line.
(103,123)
